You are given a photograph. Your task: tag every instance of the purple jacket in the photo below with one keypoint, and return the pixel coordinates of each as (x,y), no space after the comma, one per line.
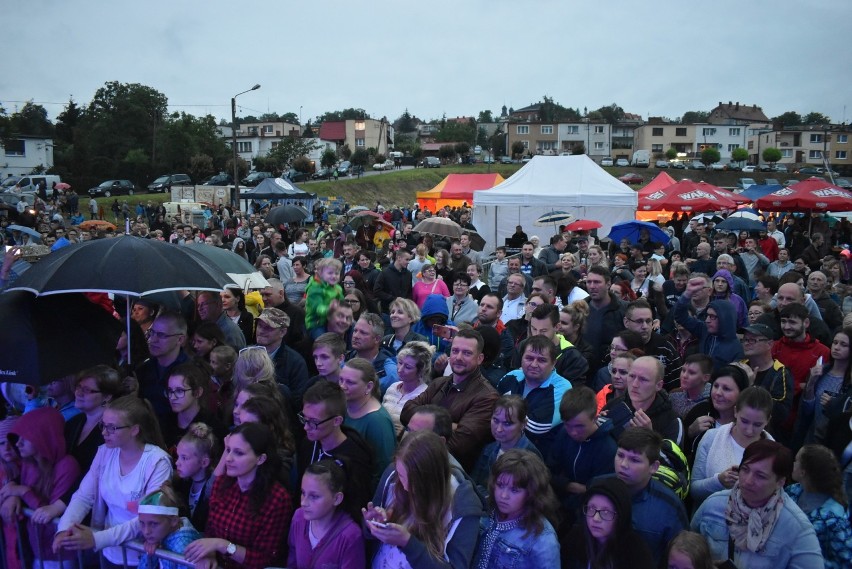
(342,546)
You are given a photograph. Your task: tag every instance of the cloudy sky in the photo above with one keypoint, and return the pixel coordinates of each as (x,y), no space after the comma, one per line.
(439,57)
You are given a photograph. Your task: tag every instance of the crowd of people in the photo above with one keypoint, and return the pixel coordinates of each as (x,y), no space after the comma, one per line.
(406,401)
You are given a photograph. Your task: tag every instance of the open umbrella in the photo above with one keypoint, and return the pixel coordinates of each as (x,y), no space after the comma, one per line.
(740,223)
(356,210)
(97,224)
(289,213)
(811,195)
(553,218)
(368,217)
(63,186)
(24,229)
(583,225)
(48,338)
(686,196)
(446,227)
(237,268)
(632,229)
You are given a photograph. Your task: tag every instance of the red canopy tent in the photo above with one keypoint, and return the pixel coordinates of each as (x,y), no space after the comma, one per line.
(686,196)
(456,189)
(813,194)
(660,181)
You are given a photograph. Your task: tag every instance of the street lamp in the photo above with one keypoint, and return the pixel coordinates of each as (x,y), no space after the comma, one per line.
(235,191)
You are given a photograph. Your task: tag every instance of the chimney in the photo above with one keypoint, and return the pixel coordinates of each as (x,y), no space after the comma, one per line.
(720,103)
(730,103)
(738,105)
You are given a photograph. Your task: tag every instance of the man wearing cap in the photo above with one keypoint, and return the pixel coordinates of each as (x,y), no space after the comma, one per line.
(770,374)
(290,368)
(209,306)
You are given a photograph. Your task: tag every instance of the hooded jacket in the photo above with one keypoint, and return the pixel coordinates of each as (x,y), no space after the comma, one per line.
(44,429)
(723,347)
(435,305)
(732,297)
(570,461)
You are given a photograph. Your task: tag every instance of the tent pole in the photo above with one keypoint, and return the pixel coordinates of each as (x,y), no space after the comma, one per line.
(127,316)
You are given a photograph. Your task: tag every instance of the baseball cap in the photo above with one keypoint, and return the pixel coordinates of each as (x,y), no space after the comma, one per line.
(760,330)
(274,317)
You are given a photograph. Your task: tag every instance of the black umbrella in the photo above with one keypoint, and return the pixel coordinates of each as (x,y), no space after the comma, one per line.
(289,213)
(125,265)
(48,338)
(236,267)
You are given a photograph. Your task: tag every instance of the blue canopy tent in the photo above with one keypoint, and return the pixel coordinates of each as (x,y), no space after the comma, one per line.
(281,191)
(757,191)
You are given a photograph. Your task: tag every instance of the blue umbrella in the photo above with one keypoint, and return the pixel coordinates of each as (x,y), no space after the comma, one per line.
(630,230)
(757,191)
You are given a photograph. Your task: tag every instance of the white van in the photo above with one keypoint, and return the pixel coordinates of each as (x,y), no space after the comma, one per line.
(30,182)
(186,212)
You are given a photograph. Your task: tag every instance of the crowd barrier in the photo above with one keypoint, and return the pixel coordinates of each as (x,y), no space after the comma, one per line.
(27,559)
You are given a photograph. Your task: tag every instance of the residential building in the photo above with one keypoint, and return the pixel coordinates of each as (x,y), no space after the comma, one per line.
(723,137)
(737,114)
(658,136)
(537,138)
(594,136)
(804,145)
(257,139)
(359,133)
(22,154)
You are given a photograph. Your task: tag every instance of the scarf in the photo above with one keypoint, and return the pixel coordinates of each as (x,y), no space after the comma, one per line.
(490,538)
(749,527)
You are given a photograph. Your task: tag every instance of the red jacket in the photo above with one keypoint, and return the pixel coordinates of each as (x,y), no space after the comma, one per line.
(799,358)
(769,246)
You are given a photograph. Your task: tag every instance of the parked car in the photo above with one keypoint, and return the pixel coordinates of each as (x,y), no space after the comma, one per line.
(749,169)
(718,166)
(344,168)
(765,168)
(165,183)
(779,168)
(606,162)
(843,183)
(746,183)
(678,165)
(386,165)
(631,179)
(219,180)
(488,160)
(294,176)
(113,188)
(506,160)
(809,171)
(661,164)
(697,165)
(255,178)
(9,183)
(734,167)
(12,199)
(772,182)
(790,182)
(622,162)
(322,174)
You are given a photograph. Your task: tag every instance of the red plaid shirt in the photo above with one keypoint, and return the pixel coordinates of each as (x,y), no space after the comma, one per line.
(264,535)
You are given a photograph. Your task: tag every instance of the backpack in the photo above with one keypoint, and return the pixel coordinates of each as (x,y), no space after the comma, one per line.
(674,469)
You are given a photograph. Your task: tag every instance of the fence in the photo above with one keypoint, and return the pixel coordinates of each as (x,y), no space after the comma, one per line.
(77,557)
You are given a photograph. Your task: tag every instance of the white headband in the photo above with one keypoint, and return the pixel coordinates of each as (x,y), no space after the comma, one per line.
(158,510)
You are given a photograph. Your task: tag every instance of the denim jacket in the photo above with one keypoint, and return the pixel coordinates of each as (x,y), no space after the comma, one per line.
(515,549)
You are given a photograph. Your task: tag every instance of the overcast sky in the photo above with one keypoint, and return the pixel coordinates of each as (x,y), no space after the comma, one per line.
(439,57)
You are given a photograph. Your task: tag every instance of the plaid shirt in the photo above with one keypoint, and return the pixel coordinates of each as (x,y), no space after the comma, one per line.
(263,535)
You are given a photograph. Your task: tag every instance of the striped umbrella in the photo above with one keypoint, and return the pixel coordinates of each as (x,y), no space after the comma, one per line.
(553,218)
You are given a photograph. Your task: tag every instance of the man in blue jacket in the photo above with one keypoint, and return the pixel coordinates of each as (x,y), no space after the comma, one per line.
(717,335)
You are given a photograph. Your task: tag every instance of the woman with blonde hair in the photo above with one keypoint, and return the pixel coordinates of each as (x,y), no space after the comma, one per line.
(432,519)
(253,365)
(404,313)
(414,367)
(595,257)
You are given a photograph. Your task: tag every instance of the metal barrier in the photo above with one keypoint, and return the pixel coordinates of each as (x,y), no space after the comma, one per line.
(23,541)
(163,554)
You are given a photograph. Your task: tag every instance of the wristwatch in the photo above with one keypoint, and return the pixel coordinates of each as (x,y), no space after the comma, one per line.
(231,549)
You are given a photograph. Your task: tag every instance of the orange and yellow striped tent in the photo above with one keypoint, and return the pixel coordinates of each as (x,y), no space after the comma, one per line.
(456,189)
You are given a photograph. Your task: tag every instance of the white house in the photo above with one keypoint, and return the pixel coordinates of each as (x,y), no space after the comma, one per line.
(24,153)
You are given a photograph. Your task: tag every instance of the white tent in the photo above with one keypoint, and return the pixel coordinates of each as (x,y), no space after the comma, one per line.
(575,184)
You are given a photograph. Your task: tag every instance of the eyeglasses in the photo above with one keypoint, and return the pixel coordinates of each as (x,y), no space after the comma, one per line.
(175,393)
(111,429)
(640,320)
(352,301)
(155,335)
(753,340)
(605,515)
(313,423)
(85,390)
(348,283)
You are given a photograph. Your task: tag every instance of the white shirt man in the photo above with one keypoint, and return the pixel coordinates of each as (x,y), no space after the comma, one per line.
(514,301)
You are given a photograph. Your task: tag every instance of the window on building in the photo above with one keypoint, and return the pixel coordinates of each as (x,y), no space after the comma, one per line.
(733,132)
(546,145)
(732,147)
(840,155)
(522,129)
(786,153)
(267,129)
(817,138)
(680,131)
(815,154)
(842,138)
(599,146)
(751,145)
(244,146)
(573,129)
(656,148)
(15,147)
(360,143)
(657,131)
(360,125)
(599,129)
(275,145)
(252,130)
(708,131)
(546,129)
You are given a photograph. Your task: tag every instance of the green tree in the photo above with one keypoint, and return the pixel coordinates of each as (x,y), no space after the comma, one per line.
(816,118)
(612,113)
(405,123)
(183,136)
(291,118)
(447,152)
(709,156)
(242,167)
(462,148)
(485,116)
(289,149)
(345,152)
(578,149)
(739,154)
(308,132)
(517,148)
(345,114)
(550,111)
(328,159)
(265,164)
(671,153)
(771,155)
(454,131)
(302,164)
(790,118)
(379,159)
(692,117)
(481,137)
(497,143)
(359,157)
(201,166)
